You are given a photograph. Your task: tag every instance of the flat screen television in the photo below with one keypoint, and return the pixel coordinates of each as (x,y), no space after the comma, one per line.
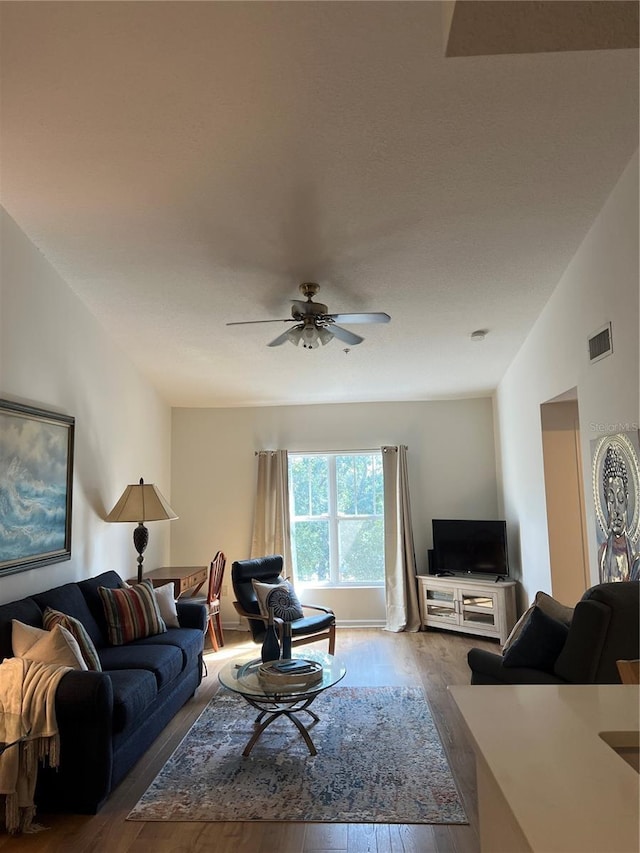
(469,547)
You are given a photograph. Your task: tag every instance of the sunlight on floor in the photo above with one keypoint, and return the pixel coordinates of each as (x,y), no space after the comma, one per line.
(231,651)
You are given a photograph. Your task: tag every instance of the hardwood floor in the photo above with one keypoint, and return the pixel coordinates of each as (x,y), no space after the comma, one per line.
(373,658)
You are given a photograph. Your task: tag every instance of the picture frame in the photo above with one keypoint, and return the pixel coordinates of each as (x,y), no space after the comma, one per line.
(36,487)
(615,482)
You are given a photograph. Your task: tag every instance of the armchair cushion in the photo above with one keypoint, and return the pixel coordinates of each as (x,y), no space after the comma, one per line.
(312,624)
(539,644)
(243,572)
(488,668)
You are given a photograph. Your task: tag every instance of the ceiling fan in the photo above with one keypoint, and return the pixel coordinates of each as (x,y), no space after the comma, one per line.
(314,324)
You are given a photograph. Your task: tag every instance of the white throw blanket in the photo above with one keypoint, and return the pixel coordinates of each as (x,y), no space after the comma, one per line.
(28,690)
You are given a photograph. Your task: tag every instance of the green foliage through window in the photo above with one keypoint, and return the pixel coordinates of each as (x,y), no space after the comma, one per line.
(337,517)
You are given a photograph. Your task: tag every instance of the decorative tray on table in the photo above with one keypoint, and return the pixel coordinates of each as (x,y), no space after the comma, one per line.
(280,675)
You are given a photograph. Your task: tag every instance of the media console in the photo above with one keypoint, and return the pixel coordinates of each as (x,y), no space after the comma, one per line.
(471,605)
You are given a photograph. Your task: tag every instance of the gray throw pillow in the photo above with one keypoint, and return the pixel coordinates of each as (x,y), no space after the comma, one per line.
(549,606)
(539,644)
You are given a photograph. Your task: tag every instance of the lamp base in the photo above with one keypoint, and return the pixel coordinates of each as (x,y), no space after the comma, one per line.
(140,542)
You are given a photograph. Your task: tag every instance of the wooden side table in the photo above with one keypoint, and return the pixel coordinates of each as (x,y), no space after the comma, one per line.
(184,578)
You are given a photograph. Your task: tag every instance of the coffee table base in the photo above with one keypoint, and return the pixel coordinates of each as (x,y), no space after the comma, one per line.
(280,709)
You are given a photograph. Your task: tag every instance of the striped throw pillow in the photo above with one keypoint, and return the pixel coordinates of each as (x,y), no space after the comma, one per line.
(131,613)
(51,618)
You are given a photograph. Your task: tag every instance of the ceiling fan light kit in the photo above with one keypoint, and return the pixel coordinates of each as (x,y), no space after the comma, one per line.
(315,325)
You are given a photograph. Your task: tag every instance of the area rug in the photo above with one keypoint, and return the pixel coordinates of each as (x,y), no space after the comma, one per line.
(380,760)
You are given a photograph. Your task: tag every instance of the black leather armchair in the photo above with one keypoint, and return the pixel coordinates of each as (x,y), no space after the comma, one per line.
(605,627)
(309,629)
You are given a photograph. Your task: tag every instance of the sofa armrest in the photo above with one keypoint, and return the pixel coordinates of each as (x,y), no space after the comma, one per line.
(487,668)
(191,614)
(84,714)
(579,659)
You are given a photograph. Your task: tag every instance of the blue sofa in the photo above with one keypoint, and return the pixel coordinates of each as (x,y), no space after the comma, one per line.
(108,719)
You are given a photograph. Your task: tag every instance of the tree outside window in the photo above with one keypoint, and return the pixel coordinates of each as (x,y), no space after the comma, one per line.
(337,520)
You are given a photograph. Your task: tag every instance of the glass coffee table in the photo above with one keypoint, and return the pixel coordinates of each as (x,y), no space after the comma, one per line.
(241,675)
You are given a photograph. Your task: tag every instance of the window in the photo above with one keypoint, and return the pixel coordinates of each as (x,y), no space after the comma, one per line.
(337,523)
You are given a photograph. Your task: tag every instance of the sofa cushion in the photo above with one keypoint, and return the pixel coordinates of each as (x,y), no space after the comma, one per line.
(131,613)
(190,641)
(539,644)
(89,589)
(164,661)
(165,596)
(69,599)
(25,611)
(133,691)
(57,647)
(51,618)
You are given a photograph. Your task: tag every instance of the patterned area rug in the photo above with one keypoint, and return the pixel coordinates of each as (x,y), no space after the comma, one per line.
(380,760)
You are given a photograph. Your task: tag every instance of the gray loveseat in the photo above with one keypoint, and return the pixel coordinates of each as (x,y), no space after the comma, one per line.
(605,627)
(108,719)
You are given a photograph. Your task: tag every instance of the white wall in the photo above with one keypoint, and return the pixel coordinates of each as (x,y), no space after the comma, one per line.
(599,285)
(452,474)
(55,355)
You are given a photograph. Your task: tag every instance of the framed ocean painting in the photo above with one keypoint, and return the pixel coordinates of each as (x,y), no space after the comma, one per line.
(36,483)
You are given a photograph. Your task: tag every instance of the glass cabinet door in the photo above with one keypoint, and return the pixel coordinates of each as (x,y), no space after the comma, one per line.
(443,596)
(478,608)
(440,604)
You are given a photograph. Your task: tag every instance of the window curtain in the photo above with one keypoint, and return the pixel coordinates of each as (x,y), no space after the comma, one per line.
(401,595)
(271,526)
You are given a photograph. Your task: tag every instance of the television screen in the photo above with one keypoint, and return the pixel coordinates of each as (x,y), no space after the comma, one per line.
(469,547)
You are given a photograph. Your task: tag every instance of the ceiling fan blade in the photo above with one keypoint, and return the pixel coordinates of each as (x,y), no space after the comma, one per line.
(250,322)
(374,317)
(344,335)
(281,339)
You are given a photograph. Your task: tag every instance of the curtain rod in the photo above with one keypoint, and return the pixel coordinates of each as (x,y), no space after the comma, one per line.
(324,452)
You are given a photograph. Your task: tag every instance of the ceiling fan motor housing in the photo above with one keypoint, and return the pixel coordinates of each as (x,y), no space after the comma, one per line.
(301,310)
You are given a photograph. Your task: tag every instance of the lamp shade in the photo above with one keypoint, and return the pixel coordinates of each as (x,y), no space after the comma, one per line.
(141,502)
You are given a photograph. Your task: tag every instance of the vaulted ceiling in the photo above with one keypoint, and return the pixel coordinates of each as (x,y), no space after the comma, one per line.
(183,165)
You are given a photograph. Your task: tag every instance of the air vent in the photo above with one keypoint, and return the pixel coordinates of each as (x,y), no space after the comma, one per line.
(600,343)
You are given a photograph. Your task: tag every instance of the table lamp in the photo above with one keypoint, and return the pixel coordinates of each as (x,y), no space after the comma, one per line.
(141,502)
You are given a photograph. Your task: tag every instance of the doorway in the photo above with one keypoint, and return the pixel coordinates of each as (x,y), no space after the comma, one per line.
(564,488)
